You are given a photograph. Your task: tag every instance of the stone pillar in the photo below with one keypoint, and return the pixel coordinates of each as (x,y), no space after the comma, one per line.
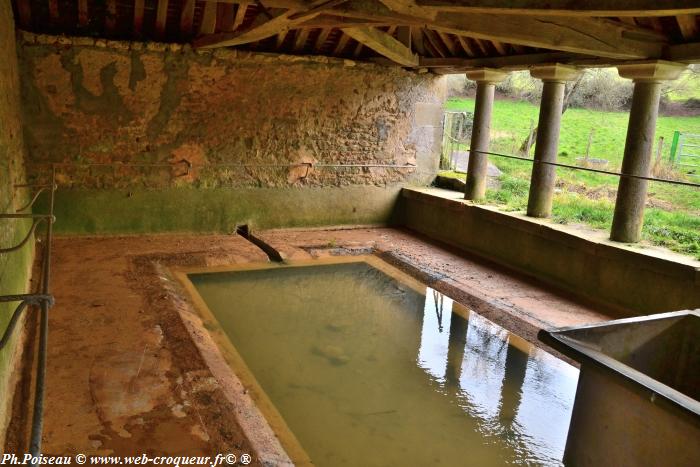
(632,192)
(486,80)
(547,143)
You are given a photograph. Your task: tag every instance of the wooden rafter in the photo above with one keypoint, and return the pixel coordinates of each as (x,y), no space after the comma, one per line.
(566,7)
(138,15)
(342,43)
(290,19)
(83,18)
(279,41)
(161,17)
(383,44)
(240,14)
(53,11)
(417,40)
(435,42)
(224,17)
(300,40)
(321,39)
(688,24)
(187,17)
(447,41)
(208,24)
(111,17)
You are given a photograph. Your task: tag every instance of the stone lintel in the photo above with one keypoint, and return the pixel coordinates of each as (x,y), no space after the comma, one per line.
(651,70)
(555,72)
(486,75)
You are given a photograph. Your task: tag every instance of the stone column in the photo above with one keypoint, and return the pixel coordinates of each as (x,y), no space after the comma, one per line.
(486,80)
(632,192)
(547,143)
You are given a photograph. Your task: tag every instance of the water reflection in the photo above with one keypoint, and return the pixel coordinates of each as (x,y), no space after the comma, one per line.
(505,386)
(356,361)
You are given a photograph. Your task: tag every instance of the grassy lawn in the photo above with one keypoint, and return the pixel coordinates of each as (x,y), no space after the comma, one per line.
(673,213)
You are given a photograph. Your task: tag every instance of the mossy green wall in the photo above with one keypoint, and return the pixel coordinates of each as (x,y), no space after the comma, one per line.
(219,209)
(14,267)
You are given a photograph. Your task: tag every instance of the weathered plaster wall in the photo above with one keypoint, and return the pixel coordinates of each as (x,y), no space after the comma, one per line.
(91,101)
(14,267)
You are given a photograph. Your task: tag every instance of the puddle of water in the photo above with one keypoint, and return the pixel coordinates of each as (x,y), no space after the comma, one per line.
(368,370)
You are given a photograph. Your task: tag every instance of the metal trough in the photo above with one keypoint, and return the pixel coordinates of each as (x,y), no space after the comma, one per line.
(637,401)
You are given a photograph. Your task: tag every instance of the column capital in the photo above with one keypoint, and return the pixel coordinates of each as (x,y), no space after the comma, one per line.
(555,72)
(651,70)
(486,75)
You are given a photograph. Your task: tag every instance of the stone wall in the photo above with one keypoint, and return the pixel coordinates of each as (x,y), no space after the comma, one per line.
(15,266)
(238,123)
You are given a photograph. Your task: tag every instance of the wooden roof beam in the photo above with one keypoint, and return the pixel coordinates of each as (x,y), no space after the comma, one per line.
(591,36)
(161,17)
(384,44)
(566,7)
(290,19)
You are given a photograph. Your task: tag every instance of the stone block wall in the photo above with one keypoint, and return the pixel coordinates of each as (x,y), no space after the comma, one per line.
(224,124)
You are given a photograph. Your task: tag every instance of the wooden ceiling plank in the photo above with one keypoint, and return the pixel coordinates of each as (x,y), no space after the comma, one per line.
(321,39)
(83,18)
(418,40)
(581,35)
(53,12)
(300,40)
(403,35)
(208,25)
(187,17)
(434,40)
(357,50)
(224,16)
(161,18)
(240,14)
(448,42)
(290,19)
(111,17)
(589,8)
(383,44)
(466,46)
(139,6)
(500,48)
(342,43)
(279,40)
(688,25)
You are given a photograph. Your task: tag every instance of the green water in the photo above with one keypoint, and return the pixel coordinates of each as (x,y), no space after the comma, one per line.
(368,372)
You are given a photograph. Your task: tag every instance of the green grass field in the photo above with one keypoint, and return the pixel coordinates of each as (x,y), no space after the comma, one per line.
(673,212)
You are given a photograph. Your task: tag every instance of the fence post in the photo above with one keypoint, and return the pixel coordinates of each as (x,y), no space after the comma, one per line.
(674,145)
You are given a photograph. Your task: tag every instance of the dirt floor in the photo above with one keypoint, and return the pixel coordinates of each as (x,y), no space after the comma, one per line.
(125,377)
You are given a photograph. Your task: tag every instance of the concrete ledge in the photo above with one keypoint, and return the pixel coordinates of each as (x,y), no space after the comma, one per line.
(633,278)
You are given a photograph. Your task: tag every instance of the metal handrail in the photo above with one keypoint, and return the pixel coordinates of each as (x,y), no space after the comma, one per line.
(43,299)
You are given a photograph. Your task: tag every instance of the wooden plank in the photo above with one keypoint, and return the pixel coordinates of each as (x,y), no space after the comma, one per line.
(417,40)
(686,53)
(321,39)
(566,7)
(111,17)
(300,40)
(280,39)
(464,42)
(511,61)
(208,24)
(138,15)
(592,36)
(161,17)
(358,49)
(224,17)
(240,15)
(270,28)
(83,18)
(24,11)
(435,42)
(500,48)
(342,43)
(53,12)
(403,35)
(688,25)
(599,37)
(323,21)
(383,44)
(449,44)
(187,17)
